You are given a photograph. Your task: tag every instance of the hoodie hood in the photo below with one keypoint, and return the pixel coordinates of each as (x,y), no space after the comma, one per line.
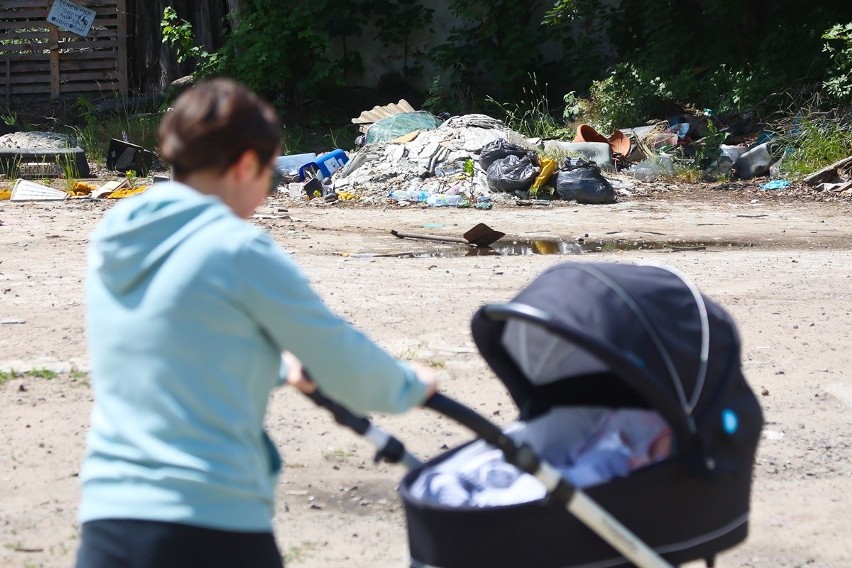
(138,234)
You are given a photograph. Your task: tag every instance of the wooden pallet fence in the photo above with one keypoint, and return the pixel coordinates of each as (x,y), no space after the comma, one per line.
(39,59)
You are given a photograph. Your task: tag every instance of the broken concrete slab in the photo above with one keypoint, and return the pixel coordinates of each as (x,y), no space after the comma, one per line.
(41,154)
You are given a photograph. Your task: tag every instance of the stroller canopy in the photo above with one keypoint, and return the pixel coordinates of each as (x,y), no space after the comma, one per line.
(619,334)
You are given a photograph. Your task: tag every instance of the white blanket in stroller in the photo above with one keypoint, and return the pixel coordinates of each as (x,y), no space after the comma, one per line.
(589,445)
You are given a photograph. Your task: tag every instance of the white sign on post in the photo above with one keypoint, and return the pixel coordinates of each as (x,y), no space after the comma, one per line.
(69,16)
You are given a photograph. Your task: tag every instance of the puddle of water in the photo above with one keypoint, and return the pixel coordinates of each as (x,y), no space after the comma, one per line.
(560,247)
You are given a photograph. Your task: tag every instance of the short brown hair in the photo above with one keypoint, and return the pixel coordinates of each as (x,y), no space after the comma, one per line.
(213,124)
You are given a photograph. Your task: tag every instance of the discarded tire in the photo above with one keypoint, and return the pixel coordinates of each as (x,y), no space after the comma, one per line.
(68,161)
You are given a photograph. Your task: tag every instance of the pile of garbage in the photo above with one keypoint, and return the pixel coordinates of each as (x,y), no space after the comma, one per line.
(471,160)
(409,156)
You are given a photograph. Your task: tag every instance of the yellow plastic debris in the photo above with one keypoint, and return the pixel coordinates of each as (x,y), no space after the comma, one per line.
(126,192)
(548,166)
(81,188)
(5,194)
(346,195)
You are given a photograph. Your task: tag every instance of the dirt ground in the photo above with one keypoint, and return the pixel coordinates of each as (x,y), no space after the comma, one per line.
(782,267)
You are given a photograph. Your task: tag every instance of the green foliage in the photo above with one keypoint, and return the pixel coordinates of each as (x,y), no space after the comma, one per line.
(708,149)
(178,33)
(8,376)
(838,84)
(395,23)
(492,48)
(665,56)
(816,141)
(95,129)
(629,96)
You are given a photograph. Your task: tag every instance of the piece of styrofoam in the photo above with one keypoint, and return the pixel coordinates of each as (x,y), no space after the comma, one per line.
(25,190)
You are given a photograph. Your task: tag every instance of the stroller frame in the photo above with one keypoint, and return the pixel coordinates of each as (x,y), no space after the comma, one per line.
(716,432)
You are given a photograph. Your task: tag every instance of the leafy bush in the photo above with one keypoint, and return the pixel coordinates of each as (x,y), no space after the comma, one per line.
(839,81)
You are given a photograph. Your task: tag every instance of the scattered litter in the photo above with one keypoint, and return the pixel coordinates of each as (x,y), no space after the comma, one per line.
(106,189)
(127,192)
(291,164)
(123,156)
(82,189)
(582,181)
(400,125)
(324,165)
(755,162)
(772,434)
(845,187)
(775,184)
(368,117)
(13,321)
(25,190)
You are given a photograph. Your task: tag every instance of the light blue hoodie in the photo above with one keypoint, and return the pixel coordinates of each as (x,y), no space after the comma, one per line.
(188,310)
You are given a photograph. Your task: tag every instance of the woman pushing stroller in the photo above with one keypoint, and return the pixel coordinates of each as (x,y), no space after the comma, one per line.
(189,309)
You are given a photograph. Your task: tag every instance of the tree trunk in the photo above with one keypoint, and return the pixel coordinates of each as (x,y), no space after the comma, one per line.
(154,64)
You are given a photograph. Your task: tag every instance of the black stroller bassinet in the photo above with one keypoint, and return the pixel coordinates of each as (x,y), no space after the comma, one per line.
(617,336)
(582,341)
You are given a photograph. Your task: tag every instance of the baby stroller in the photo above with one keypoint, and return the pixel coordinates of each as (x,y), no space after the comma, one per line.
(584,348)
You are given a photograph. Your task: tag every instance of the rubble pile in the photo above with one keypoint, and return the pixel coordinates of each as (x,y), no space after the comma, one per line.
(433,162)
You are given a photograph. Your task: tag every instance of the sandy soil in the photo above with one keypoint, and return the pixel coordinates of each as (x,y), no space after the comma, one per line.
(782,268)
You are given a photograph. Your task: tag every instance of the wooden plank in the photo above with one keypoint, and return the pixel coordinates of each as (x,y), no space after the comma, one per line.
(102,87)
(30,67)
(94,33)
(80,76)
(31,13)
(13,4)
(30,90)
(828,172)
(83,55)
(100,44)
(123,83)
(95,3)
(88,65)
(54,61)
(23,49)
(41,34)
(6,26)
(8,83)
(39,76)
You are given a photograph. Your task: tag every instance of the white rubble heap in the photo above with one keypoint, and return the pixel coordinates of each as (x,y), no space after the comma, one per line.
(432,162)
(37,140)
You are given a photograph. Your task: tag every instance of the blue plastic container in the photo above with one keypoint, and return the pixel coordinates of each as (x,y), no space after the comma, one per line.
(291,164)
(324,165)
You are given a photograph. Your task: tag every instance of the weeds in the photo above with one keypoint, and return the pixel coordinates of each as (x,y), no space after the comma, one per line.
(67,165)
(532,116)
(814,142)
(98,129)
(297,553)
(9,375)
(42,374)
(337,455)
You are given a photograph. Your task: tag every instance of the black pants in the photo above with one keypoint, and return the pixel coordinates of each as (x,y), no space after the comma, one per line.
(125,543)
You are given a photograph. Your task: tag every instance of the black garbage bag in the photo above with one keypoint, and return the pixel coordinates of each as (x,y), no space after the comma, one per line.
(512,173)
(497,150)
(582,180)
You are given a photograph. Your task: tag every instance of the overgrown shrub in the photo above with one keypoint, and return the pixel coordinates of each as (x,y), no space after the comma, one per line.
(838,45)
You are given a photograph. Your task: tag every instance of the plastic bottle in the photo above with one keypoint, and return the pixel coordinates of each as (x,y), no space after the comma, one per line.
(409,195)
(443,200)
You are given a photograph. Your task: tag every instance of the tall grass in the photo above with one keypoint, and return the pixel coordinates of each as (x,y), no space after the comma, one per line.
(532,115)
(97,129)
(815,142)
